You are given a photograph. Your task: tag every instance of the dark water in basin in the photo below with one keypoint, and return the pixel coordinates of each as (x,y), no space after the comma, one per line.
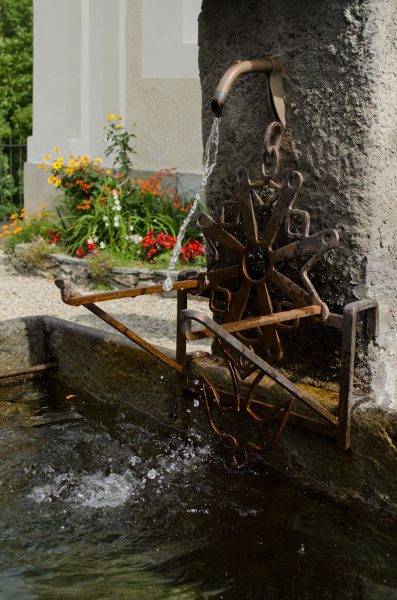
(96,502)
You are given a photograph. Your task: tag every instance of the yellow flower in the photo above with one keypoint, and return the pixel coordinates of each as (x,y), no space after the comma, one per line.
(118,126)
(57,183)
(46,157)
(56,165)
(110,117)
(108,171)
(60,159)
(17,230)
(117,117)
(72,162)
(51,179)
(69,170)
(56,149)
(41,166)
(98,160)
(43,205)
(13,216)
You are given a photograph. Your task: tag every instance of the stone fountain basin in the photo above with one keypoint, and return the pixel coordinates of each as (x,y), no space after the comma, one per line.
(115,370)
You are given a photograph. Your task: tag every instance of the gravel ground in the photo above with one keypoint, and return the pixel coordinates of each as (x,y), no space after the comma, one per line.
(152,317)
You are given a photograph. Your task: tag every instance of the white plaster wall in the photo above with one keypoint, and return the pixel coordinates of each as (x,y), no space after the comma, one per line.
(163,89)
(133,57)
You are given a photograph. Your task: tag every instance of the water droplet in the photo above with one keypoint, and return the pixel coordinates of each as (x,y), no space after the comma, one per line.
(134,460)
(301,550)
(152,474)
(196,403)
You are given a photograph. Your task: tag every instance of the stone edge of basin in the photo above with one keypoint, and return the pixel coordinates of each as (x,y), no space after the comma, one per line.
(364,475)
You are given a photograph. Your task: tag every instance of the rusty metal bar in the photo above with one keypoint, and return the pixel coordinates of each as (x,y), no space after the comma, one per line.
(70,297)
(180,402)
(235,344)
(252,322)
(29,370)
(349,330)
(167,360)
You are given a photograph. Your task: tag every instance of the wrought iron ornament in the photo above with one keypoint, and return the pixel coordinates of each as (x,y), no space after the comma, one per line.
(255,296)
(257,273)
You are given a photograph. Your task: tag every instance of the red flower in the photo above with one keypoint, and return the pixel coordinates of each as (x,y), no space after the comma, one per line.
(80,252)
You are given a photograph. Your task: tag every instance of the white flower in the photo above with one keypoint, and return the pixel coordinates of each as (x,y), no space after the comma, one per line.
(95,238)
(102,245)
(115,194)
(90,240)
(105,219)
(136,239)
(131,228)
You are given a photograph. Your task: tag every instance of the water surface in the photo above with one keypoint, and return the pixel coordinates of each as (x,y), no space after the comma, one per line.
(98,502)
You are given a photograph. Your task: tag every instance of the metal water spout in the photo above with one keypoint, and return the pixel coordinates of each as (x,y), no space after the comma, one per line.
(273,66)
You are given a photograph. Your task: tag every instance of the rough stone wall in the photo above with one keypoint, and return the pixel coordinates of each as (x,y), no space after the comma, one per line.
(340,81)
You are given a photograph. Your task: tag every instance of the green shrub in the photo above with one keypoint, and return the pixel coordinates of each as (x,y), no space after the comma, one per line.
(7,209)
(23,229)
(37,252)
(99,265)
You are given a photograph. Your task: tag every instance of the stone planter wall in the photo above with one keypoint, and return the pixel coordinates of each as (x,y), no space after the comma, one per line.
(77,271)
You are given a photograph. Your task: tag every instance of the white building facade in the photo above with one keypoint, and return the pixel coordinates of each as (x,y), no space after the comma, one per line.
(136,58)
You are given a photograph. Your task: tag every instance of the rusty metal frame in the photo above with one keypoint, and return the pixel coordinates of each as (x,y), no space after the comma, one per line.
(28,372)
(326,423)
(338,427)
(70,296)
(252,300)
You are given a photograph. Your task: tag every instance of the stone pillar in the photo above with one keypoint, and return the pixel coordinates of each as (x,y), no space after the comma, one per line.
(340,81)
(78,77)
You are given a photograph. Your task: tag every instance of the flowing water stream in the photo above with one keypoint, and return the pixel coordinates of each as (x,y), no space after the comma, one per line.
(209,161)
(97,501)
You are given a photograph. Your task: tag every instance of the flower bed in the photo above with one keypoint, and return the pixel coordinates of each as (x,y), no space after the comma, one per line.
(105,215)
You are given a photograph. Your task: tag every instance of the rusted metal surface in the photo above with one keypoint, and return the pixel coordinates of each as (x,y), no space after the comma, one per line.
(258,295)
(251,322)
(259,280)
(164,358)
(243,362)
(70,296)
(256,361)
(347,399)
(35,370)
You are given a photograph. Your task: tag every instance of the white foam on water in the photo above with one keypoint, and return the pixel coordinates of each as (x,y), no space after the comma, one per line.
(98,490)
(210,155)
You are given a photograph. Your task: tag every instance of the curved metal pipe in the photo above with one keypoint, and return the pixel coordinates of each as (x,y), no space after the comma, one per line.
(273,66)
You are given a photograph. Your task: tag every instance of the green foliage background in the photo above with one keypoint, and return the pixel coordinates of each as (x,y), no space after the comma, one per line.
(16,68)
